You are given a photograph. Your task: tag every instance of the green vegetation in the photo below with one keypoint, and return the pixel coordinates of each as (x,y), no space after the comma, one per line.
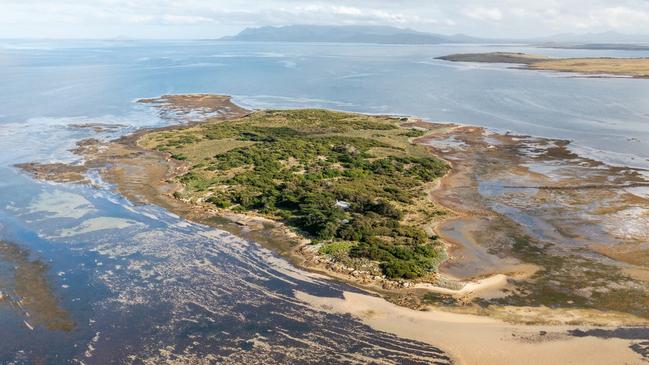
(351,181)
(338,250)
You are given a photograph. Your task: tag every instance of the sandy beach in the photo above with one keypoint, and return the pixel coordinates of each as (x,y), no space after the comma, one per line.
(480,340)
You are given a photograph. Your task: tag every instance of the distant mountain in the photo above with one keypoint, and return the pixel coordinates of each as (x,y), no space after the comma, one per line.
(347,34)
(392,35)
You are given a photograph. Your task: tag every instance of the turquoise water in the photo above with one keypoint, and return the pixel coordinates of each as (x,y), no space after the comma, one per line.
(136,279)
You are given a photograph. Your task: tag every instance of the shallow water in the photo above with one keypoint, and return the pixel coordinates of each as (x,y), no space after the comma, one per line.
(142,284)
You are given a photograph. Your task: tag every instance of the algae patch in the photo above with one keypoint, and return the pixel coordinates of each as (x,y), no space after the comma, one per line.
(25,286)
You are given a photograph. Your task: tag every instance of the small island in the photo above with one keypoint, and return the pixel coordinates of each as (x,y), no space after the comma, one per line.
(631,67)
(353,184)
(389,204)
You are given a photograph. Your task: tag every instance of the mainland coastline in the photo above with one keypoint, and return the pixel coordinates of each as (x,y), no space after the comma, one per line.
(495,279)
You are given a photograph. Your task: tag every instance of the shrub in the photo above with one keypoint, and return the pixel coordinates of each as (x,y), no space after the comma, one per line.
(219,201)
(338,250)
(414,133)
(399,261)
(400,269)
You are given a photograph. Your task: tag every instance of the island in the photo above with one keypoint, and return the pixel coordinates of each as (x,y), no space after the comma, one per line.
(511,241)
(405,208)
(630,67)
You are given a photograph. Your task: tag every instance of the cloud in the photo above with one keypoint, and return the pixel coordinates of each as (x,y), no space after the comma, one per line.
(208,18)
(319,13)
(184,19)
(621,17)
(482,13)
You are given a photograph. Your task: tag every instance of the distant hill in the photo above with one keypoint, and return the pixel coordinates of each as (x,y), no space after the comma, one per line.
(347,34)
(393,35)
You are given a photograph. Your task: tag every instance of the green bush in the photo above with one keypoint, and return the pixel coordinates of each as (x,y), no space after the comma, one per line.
(337,250)
(399,261)
(414,133)
(219,201)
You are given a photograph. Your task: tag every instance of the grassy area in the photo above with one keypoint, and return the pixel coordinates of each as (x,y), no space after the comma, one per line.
(635,67)
(354,182)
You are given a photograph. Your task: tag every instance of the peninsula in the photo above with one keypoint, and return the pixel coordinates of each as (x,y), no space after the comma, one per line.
(631,67)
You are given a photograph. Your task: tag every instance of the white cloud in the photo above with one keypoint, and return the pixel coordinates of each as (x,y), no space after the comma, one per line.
(184,19)
(621,17)
(482,13)
(209,18)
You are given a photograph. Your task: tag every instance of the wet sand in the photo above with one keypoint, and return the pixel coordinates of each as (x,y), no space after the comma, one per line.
(473,339)
(568,231)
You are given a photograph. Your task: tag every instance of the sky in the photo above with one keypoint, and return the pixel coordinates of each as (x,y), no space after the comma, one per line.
(216,18)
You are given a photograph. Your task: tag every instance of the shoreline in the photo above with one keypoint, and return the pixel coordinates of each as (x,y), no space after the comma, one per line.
(472,339)
(125,157)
